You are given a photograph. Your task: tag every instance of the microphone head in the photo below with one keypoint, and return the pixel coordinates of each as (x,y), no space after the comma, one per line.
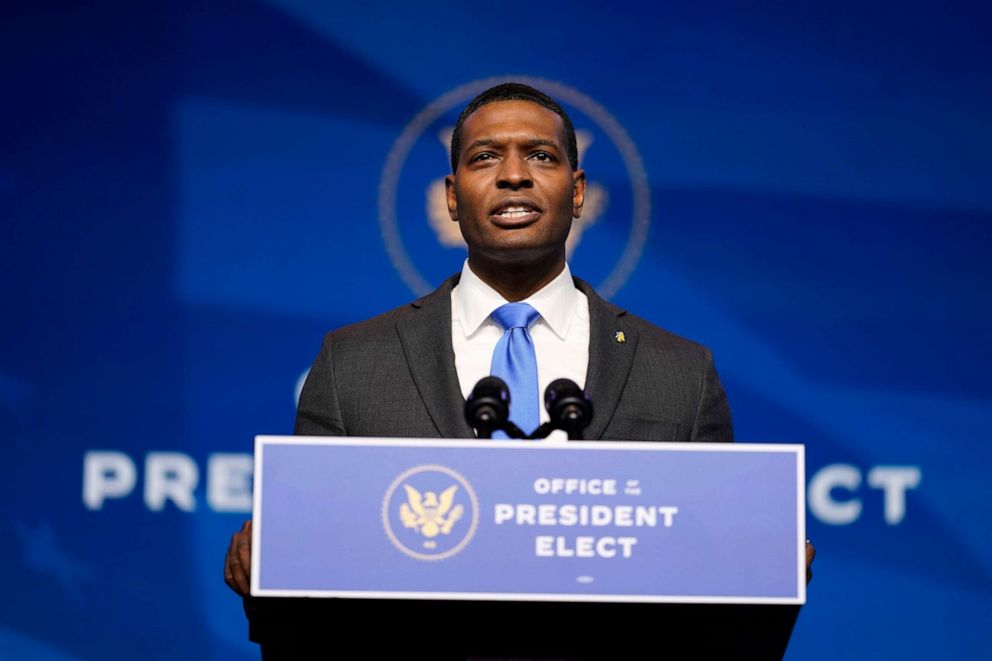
(492,386)
(488,406)
(569,407)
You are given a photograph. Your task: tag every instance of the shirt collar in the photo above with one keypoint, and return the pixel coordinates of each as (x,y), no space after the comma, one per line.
(474,301)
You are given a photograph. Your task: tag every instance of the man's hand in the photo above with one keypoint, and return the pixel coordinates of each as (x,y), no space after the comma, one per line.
(810,554)
(237,564)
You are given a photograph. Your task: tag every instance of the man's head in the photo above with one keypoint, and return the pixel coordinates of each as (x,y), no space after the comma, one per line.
(515,92)
(516,185)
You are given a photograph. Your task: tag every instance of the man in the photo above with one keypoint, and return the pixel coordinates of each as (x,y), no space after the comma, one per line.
(514,190)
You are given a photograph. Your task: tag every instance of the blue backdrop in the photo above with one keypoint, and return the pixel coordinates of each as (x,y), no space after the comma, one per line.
(192,193)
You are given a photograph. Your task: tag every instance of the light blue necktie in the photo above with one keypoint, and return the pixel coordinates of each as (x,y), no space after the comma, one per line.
(515,362)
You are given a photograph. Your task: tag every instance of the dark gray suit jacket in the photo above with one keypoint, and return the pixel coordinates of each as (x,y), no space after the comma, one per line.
(394,376)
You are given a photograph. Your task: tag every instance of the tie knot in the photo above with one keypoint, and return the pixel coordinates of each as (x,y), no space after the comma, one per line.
(515,315)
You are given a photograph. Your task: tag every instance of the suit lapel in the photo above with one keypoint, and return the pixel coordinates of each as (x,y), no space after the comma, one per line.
(426,338)
(610,358)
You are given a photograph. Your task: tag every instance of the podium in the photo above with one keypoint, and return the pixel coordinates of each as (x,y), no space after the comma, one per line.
(450,549)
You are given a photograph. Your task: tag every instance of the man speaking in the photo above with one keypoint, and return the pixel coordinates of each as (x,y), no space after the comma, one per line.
(515,188)
(514,311)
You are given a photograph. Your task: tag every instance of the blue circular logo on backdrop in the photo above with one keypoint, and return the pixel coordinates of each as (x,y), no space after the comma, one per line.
(422,241)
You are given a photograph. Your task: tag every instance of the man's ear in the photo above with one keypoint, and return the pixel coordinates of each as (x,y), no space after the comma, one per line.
(449,192)
(578,192)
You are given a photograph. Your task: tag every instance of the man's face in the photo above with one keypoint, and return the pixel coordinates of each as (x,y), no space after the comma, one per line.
(514,194)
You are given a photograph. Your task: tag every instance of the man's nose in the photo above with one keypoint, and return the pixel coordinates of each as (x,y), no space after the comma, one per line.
(514,174)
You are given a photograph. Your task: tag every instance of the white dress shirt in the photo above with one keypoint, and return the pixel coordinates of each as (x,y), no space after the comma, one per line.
(561,334)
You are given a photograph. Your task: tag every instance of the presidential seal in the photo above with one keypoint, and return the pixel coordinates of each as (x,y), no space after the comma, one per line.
(430,512)
(424,244)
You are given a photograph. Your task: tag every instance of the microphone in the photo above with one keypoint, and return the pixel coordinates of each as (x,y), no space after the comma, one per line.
(569,407)
(487,409)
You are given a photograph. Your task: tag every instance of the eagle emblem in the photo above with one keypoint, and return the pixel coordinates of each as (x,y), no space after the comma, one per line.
(430,514)
(433,520)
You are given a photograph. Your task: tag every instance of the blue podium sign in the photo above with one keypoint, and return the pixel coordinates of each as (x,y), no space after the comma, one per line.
(506,520)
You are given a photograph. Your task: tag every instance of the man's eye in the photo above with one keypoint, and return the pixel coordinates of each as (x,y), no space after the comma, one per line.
(484,156)
(543,156)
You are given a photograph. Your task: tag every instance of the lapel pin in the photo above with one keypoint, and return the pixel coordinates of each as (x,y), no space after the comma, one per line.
(619,337)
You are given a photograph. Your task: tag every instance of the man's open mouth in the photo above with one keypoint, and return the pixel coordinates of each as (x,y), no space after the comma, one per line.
(515,212)
(512,213)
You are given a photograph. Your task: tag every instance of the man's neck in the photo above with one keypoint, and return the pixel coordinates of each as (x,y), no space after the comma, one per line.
(516,281)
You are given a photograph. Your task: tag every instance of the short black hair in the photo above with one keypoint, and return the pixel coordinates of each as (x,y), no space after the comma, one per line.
(515,92)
